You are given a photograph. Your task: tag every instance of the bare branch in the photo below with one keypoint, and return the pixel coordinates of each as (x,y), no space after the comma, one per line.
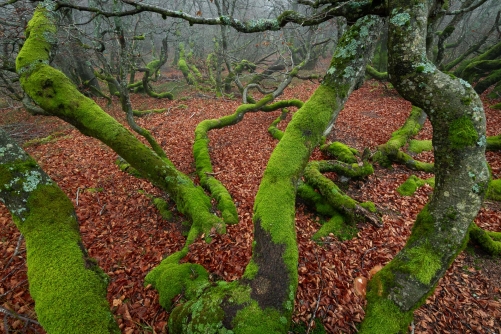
(463,10)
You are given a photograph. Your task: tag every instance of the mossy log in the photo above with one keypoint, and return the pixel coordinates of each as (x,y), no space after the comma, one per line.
(68,287)
(54,92)
(461,175)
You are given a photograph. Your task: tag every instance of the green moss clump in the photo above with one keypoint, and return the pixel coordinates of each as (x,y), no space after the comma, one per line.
(418,146)
(462,133)
(341,152)
(163,208)
(173,279)
(494,190)
(423,263)
(409,187)
(337,226)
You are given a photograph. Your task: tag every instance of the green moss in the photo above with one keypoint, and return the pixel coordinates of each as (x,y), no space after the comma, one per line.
(489,241)
(369,206)
(418,146)
(337,226)
(466,100)
(383,316)
(163,208)
(57,271)
(424,263)
(409,187)
(462,133)
(40,141)
(187,278)
(494,190)
(341,152)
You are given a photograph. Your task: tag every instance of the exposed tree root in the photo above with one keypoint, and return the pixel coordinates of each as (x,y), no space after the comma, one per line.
(334,196)
(487,240)
(391,151)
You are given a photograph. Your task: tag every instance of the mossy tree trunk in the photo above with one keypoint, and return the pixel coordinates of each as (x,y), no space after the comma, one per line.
(441,228)
(54,92)
(262,302)
(68,287)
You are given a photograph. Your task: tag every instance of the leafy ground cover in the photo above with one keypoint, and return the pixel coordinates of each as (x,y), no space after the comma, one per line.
(127,235)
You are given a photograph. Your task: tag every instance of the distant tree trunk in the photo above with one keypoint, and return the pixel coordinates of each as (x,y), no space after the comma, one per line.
(462,177)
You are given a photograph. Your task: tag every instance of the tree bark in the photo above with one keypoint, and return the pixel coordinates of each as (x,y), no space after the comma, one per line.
(441,229)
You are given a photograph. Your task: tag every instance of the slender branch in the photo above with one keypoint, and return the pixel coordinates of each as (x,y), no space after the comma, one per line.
(349,9)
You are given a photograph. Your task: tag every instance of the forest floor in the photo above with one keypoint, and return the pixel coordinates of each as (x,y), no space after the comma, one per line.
(122,229)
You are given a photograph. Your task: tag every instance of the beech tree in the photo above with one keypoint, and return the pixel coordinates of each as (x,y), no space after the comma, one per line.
(262,301)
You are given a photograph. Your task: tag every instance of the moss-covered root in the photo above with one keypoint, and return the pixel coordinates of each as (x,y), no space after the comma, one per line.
(141,113)
(494,142)
(340,151)
(381,76)
(314,200)
(68,287)
(350,170)
(336,198)
(418,146)
(391,151)
(397,290)
(55,93)
(401,136)
(338,226)
(409,187)
(488,241)
(202,156)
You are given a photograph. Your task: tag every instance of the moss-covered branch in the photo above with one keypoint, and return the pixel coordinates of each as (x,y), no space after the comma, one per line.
(68,286)
(148,90)
(381,76)
(56,95)
(202,156)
